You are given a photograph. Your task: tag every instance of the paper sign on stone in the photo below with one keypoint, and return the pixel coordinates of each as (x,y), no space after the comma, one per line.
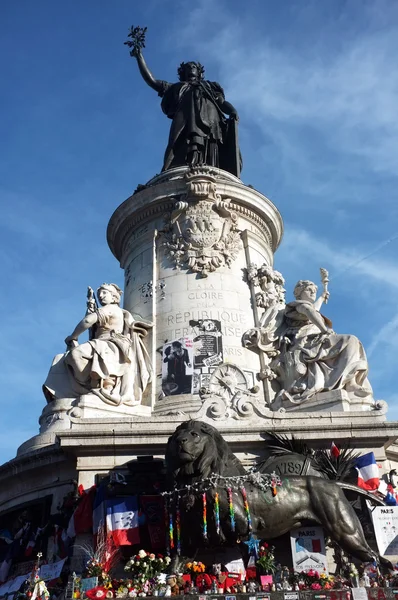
(177,367)
(359,593)
(385,522)
(236,566)
(308,549)
(208,350)
(88,583)
(52,571)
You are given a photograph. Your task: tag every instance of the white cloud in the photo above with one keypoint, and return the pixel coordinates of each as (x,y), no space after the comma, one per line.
(387,337)
(345,91)
(301,246)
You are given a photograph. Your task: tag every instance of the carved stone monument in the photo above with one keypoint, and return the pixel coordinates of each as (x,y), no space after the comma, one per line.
(205,331)
(113,366)
(311,366)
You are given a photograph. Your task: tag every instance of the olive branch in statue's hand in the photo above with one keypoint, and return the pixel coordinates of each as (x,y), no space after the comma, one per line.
(137,35)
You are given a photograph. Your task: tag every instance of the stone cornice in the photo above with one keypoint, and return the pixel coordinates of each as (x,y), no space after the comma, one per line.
(136,437)
(162,192)
(32,460)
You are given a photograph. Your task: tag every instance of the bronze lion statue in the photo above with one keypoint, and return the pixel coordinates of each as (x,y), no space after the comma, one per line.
(196,450)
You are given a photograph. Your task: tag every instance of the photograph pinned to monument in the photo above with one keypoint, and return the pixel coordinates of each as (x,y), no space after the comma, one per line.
(177,366)
(208,350)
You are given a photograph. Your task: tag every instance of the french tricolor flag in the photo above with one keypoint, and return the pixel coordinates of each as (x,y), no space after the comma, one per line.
(368,472)
(122,520)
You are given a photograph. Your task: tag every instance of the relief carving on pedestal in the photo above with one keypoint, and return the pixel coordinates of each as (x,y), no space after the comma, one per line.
(228,394)
(201,232)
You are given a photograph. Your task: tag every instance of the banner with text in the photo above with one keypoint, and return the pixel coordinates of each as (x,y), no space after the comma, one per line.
(385,522)
(308,549)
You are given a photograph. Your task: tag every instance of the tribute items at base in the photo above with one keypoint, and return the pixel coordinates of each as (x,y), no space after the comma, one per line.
(203,466)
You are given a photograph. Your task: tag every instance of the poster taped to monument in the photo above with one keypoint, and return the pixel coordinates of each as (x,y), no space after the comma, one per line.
(308,549)
(177,366)
(208,350)
(385,522)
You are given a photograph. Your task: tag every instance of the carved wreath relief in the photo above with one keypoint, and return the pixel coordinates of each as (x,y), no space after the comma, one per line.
(228,393)
(202,231)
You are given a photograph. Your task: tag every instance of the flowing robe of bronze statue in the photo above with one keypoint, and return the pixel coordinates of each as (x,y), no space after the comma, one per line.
(199,134)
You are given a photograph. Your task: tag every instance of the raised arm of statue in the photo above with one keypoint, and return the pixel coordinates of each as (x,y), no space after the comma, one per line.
(324,297)
(136,43)
(147,75)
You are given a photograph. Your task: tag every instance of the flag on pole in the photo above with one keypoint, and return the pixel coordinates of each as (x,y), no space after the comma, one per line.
(122,520)
(334,451)
(99,512)
(368,472)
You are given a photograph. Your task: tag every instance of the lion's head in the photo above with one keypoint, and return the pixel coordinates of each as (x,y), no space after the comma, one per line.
(196,450)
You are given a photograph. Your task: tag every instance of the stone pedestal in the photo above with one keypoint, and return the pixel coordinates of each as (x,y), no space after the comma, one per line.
(332,401)
(185,242)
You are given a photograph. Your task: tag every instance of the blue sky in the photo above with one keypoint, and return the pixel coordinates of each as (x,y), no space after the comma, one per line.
(316,87)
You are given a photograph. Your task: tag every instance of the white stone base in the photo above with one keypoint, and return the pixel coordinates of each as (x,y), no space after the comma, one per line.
(182,405)
(90,406)
(37,442)
(333,401)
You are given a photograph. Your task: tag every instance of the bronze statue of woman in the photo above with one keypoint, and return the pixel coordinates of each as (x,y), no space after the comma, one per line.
(200,134)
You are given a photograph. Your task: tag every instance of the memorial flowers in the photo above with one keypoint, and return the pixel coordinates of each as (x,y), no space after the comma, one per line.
(147,565)
(266,559)
(313,580)
(194,567)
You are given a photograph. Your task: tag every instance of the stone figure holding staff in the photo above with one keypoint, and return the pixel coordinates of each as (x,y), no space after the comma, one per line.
(302,353)
(200,134)
(313,358)
(114,364)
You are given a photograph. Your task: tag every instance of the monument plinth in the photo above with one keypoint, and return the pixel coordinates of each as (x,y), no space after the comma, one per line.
(185,243)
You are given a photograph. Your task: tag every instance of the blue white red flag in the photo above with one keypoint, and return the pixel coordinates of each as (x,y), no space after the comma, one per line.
(122,520)
(368,472)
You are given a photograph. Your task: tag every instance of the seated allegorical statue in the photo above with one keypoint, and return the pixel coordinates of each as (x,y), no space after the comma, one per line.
(302,354)
(313,358)
(114,364)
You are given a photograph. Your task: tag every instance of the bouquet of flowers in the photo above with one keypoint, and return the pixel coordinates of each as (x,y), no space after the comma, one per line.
(313,580)
(266,559)
(146,565)
(194,568)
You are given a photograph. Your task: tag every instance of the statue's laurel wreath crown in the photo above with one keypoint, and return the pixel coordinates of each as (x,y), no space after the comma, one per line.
(181,69)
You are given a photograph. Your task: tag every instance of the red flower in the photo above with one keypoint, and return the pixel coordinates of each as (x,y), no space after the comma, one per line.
(96,593)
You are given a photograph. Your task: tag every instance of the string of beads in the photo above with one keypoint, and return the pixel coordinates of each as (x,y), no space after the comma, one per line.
(263,481)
